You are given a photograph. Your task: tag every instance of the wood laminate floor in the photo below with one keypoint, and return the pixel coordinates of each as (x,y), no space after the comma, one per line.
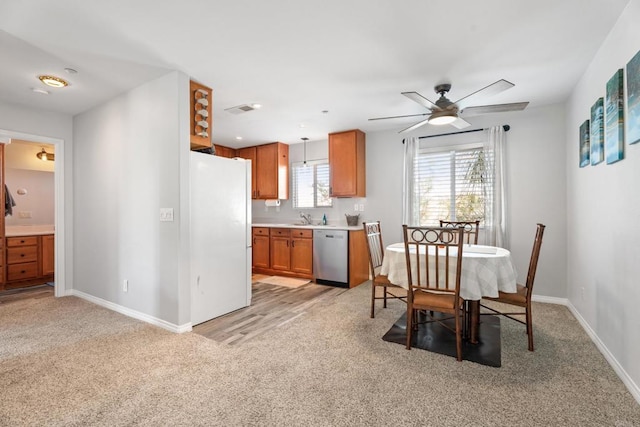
(19,294)
(271,307)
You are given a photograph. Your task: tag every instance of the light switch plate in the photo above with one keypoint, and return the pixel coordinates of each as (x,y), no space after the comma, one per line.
(166,214)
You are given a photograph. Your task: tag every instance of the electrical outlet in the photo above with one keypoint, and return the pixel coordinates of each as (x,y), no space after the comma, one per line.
(166,214)
(361,207)
(355,207)
(125,285)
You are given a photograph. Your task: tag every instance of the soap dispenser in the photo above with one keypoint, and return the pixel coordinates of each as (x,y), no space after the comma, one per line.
(324,219)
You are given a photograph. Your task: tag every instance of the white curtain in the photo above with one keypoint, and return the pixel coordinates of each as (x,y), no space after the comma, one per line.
(409,215)
(495,220)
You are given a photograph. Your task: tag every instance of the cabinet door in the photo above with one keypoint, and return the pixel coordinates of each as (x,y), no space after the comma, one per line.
(280,253)
(48,254)
(302,255)
(249,153)
(267,171)
(347,164)
(260,251)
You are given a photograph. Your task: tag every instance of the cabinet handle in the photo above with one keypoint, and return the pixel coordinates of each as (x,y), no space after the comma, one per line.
(22,255)
(287,243)
(293,243)
(21,241)
(22,271)
(254,240)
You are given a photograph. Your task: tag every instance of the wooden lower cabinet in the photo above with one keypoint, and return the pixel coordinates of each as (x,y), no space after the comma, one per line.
(302,252)
(47,253)
(290,252)
(260,248)
(29,260)
(280,252)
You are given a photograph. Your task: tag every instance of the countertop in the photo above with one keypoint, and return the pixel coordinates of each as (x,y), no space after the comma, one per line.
(312,227)
(28,230)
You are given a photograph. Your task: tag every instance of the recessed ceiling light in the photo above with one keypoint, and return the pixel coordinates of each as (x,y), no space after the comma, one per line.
(256,106)
(238,138)
(325,111)
(53,81)
(41,91)
(302,125)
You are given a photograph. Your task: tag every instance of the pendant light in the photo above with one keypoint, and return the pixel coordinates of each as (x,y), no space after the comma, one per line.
(304,141)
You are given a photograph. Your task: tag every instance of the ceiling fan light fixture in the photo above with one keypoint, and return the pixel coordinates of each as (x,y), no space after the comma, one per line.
(443,118)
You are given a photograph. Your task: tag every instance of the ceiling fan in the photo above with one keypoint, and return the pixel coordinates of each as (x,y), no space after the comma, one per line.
(443,111)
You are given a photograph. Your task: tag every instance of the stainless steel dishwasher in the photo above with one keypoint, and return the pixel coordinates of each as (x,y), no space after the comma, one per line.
(331,257)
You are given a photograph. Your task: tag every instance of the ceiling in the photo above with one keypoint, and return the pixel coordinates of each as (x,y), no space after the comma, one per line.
(300,58)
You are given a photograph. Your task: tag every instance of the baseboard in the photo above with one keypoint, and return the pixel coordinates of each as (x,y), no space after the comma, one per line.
(549,300)
(622,374)
(131,313)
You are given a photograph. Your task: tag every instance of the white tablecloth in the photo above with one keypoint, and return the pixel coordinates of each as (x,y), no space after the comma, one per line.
(483,274)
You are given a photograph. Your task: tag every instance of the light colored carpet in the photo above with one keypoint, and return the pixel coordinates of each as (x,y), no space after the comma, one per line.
(288,282)
(67,362)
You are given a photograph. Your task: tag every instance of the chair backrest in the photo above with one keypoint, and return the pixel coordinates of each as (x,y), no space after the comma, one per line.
(470,229)
(373,234)
(533,263)
(434,258)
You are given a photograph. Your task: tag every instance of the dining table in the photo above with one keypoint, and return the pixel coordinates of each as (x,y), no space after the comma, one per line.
(485,271)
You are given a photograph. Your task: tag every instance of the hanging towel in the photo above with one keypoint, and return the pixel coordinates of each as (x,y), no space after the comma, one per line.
(9,203)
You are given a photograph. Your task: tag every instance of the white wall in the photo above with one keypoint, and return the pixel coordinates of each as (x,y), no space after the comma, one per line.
(39,199)
(37,125)
(603,205)
(128,164)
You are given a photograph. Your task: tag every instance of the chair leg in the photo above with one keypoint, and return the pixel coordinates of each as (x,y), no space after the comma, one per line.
(373,298)
(385,297)
(458,338)
(529,326)
(409,326)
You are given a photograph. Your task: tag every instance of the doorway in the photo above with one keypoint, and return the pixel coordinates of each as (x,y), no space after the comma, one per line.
(37,143)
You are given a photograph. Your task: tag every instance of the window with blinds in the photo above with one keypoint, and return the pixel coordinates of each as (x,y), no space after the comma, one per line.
(452,184)
(311,185)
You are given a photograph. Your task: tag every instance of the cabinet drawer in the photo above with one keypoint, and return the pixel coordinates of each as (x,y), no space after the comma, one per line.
(27,270)
(19,254)
(305,234)
(22,241)
(283,232)
(260,231)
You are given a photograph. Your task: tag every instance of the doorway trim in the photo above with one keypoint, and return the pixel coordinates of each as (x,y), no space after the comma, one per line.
(60,283)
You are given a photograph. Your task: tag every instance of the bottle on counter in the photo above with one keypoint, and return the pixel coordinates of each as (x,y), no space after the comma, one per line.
(324,219)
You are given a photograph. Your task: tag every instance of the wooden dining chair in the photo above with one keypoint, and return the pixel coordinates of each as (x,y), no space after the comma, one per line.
(470,229)
(373,233)
(522,297)
(434,266)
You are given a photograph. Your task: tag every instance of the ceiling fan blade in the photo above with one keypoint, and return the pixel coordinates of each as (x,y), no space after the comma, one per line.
(461,123)
(415,96)
(496,108)
(399,117)
(492,89)
(415,126)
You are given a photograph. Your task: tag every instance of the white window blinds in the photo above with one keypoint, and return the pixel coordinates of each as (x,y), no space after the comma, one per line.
(311,184)
(452,183)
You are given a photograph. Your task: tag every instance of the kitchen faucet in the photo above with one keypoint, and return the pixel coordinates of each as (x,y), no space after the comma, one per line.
(306,217)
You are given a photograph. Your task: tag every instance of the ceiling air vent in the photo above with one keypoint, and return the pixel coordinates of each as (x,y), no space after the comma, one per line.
(239,109)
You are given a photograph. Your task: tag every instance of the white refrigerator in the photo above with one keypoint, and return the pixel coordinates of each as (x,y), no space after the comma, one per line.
(220,206)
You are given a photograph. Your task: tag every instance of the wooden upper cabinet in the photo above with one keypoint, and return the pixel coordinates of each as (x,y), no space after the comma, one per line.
(347,164)
(272,171)
(249,153)
(223,151)
(201,123)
